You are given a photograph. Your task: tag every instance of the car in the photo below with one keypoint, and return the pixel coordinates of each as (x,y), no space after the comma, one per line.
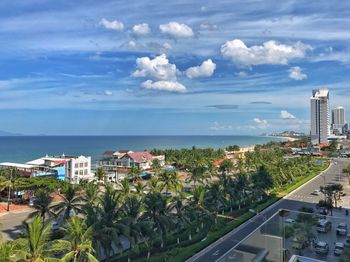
(323,211)
(338,249)
(289,221)
(316,192)
(55,226)
(321,248)
(31,201)
(324,226)
(342,229)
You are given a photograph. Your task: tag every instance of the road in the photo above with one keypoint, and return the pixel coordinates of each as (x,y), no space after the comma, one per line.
(298,198)
(11,224)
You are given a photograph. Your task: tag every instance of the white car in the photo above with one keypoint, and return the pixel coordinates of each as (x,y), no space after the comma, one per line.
(289,221)
(338,249)
(316,192)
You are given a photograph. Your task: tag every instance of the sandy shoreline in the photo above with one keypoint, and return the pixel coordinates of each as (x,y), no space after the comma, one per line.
(288,138)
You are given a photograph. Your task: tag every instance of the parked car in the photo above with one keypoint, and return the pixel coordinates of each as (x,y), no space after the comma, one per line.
(338,249)
(316,192)
(55,226)
(322,248)
(323,211)
(342,229)
(31,201)
(324,226)
(289,221)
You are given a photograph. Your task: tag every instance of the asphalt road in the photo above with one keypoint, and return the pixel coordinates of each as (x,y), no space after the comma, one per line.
(298,198)
(11,224)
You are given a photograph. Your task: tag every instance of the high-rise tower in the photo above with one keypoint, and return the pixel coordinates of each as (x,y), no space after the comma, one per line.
(320,126)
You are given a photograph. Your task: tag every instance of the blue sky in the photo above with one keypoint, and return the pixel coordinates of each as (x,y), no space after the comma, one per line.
(186,67)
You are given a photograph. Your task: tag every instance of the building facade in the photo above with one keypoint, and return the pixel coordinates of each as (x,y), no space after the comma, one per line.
(70,168)
(320,124)
(338,120)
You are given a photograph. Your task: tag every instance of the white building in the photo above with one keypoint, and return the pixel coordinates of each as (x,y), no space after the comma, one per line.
(71,168)
(338,120)
(320,124)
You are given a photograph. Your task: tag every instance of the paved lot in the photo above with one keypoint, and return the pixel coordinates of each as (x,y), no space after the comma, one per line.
(12,224)
(300,197)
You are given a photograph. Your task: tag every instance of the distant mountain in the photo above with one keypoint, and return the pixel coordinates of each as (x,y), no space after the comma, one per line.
(5,133)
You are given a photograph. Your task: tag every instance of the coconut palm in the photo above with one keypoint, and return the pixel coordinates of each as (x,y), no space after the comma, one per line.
(8,252)
(154,185)
(169,181)
(100,174)
(91,192)
(137,227)
(72,202)
(42,205)
(36,245)
(134,173)
(105,219)
(157,211)
(79,241)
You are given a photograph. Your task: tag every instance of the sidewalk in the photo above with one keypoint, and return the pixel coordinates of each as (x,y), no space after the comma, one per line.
(14,208)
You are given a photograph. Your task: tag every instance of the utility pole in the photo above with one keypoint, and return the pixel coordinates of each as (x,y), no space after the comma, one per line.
(9,192)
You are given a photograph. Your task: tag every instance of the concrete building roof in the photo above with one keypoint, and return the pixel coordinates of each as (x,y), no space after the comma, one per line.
(16,165)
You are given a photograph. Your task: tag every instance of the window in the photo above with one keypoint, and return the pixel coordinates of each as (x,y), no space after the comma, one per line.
(81,164)
(76,172)
(81,172)
(76,165)
(86,164)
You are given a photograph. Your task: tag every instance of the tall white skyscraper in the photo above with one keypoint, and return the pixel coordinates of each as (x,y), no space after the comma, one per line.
(320,124)
(338,119)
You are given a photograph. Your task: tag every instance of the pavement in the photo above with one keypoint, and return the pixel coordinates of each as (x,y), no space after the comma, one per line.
(293,201)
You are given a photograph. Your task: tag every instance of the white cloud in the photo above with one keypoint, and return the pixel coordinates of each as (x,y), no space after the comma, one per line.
(296,73)
(261,123)
(132,44)
(166,45)
(113,25)
(270,52)
(217,126)
(176,30)
(108,93)
(286,115)
(208,26)
(206,69)
(141,29)
(158,68)
(242,74)
(170,86)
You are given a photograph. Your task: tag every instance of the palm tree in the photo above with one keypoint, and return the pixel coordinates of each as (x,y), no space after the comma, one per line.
(91,192)
(178,210)
(137,227)
(105,218)
(71,202)
(140,188)
(7,180)
(157,211)
(124,187)
(8,252)
(134,173)
(169,181)
(156,166)
(36,245)
(100,174)
(42,204)
(198,206)
(79,240)
(153,185)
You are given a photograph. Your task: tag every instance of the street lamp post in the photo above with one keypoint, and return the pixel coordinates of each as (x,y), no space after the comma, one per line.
(9,192)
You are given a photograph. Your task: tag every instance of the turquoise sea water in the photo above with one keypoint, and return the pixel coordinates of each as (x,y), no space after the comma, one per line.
(25,148)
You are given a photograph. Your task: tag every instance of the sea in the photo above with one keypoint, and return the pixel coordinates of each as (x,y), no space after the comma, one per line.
(21,149)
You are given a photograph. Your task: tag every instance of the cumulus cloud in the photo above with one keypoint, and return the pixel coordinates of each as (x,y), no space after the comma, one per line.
(158,68)
(164,74)
(113,25)
(141,29)
(261,123)
(242,74)
(176,30)
(170,86)
(270,52)
(206,69)
(286,115)
(296,73)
